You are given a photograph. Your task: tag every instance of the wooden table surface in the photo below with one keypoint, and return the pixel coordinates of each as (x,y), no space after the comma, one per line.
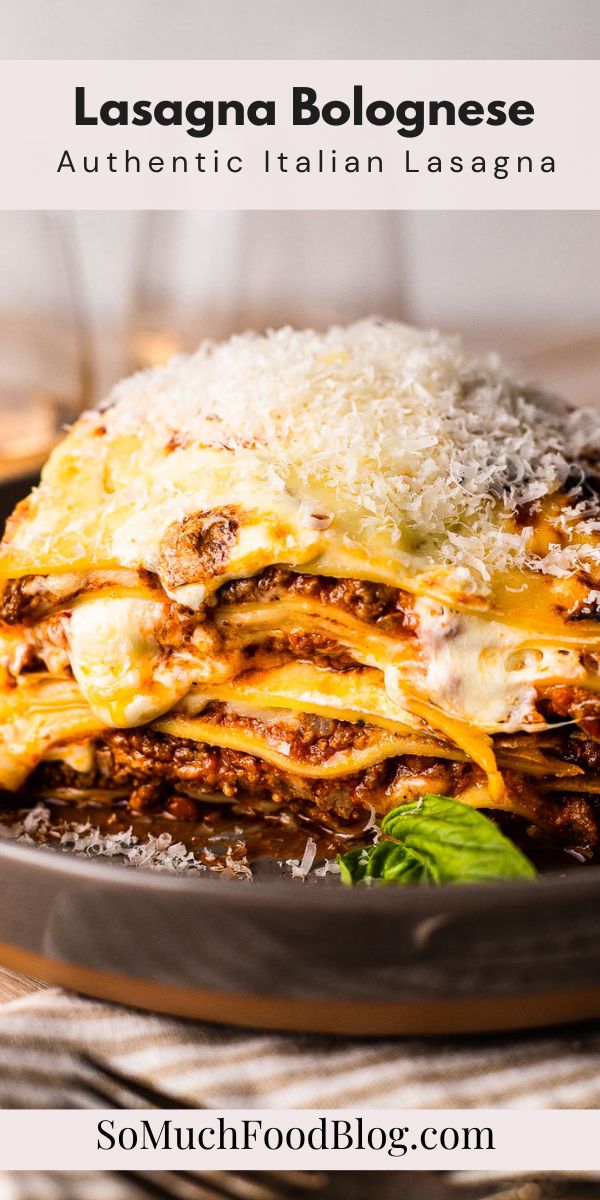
(13,986)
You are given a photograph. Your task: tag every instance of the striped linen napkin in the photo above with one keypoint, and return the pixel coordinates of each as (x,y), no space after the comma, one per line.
(43,1036)
(380,1185)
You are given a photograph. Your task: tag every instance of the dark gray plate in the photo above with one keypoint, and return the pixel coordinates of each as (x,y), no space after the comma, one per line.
(284,954)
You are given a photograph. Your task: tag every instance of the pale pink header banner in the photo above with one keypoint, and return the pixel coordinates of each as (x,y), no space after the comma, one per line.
(299,135)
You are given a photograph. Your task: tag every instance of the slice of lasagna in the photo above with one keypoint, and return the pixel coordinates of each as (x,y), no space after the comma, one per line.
(333,571)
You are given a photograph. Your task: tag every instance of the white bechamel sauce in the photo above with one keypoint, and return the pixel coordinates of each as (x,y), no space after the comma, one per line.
(485,672)
(116,659)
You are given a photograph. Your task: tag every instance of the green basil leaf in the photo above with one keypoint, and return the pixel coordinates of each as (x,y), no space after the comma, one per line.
(436,840)
(385,861)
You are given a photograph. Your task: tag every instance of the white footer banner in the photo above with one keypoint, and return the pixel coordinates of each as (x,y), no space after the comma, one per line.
(308,1139)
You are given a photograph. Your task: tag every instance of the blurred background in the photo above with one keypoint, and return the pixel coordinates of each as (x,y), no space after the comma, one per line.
(313,29)
(87,297)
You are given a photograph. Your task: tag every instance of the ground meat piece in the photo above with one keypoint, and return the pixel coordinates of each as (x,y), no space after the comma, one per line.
(154,768)
(373,784)
(198,547)
(279,648)
(416,775)
(318,738)
(14,603)
(142,796)
(43,646)
(175,629)
(369,602)
(197,769)
(183,809)
(566,816)
(581,750)
(34,596)
(31,597)
(583,706)
(569,818)
(317,647)
(51,775)
(310,738)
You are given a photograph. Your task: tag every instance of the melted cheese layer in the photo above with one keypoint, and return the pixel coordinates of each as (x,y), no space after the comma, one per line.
(44,719)
(476,671)
(376,453)
(464,677)
(37,714)
(126,675)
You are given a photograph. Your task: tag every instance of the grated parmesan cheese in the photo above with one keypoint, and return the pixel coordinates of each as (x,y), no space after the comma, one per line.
(419,440)
(301,869)
(377,449)
(329,867)
(160,852)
